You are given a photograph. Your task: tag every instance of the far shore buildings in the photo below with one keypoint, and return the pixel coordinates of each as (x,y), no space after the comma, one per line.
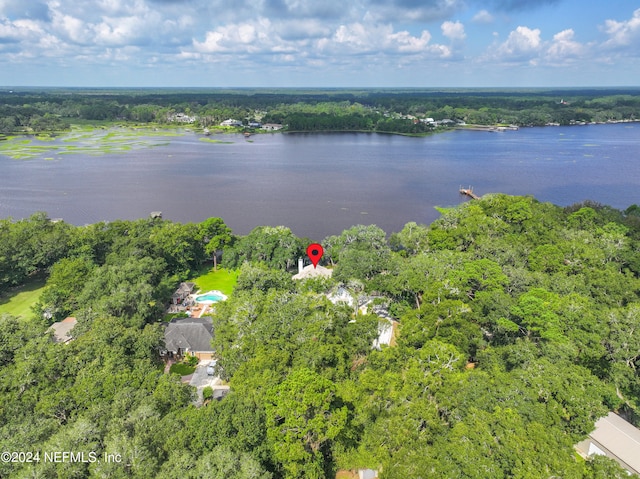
(272,126)
(181,118)
(615,438)
(231,122)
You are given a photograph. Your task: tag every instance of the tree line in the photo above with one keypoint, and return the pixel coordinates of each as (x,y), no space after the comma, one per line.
(33,111)
(515,334)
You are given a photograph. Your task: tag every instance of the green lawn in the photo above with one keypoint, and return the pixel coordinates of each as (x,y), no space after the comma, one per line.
(18,301)
(223,280)
(182,369)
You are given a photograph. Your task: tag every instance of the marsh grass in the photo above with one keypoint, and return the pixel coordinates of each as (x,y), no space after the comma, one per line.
(213,140)
(85,139)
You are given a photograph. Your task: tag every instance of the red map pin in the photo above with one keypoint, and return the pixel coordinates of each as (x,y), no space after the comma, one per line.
(315,252)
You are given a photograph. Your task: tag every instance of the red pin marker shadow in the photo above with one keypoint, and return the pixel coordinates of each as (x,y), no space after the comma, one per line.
(315,252)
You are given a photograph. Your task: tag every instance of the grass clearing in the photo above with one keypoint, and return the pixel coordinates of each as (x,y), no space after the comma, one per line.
(18,301)
(223,280)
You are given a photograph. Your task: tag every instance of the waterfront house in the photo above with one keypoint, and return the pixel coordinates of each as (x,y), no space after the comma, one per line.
(231,122)
(309,271)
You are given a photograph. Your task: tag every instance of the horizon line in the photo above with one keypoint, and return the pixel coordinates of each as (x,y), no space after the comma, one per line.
(121,87)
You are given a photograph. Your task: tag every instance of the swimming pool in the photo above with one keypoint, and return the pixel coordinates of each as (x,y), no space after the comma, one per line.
(210,297)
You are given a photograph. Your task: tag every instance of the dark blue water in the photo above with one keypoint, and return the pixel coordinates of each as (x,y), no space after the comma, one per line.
(320,184)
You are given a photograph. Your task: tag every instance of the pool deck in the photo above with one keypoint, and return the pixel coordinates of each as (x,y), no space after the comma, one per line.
(201,307)
(216,293)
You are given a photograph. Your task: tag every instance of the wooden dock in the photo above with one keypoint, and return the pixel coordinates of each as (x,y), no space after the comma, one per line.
(469,192)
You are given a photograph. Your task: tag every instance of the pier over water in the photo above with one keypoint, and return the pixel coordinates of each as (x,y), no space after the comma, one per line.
(469,192)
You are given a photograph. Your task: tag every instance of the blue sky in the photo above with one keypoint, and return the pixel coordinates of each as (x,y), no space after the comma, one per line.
(320,43)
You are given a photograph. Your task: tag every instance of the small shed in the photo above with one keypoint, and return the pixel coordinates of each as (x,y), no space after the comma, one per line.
(182,292)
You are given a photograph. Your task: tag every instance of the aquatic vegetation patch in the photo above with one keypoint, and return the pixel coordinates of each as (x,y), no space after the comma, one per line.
(213,140)
(94,142)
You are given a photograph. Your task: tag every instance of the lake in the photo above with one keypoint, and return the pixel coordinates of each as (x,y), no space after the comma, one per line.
(317,184)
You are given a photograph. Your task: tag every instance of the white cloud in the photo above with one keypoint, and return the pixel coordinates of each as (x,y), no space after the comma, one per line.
(248,37)
(301,35)
(72,28)
(482,16)
(120,30)
(20,30)
(625,33)
(367,38)
(523,43)
(357,37)
(405,42)
(564,47)
(27,39)
(453,30)
(302,29)
(345,40)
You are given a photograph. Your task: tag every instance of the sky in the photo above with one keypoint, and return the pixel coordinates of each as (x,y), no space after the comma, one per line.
(319,43)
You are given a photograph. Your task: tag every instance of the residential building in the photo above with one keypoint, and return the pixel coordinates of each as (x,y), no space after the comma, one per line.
(310,271)
(62,330)
(231,122)
(272,126)
(615,438)
(188,337)
(182,292)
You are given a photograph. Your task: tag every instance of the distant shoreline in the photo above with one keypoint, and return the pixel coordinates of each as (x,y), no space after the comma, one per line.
(182,129)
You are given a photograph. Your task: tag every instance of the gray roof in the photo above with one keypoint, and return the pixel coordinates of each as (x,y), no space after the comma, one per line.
(620,438)
(185,288)
(194,334)
(368,474)
(62,330)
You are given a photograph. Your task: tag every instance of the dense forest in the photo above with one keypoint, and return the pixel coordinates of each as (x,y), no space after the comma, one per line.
(516,333)
(402,111)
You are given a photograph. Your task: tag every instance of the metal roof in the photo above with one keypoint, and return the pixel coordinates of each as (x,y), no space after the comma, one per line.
(620,438)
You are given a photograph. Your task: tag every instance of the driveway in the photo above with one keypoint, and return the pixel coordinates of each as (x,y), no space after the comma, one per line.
(201,380)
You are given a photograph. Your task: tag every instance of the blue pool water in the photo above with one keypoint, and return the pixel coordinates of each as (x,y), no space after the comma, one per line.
(208,297)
